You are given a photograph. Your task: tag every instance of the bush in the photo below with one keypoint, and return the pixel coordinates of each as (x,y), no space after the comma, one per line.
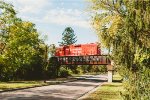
(52,68)
(64,72)
(102,69)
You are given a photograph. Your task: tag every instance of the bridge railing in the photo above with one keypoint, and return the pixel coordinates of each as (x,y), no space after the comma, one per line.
(84,60)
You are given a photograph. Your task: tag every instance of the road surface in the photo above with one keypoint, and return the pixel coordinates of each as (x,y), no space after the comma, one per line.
(65,91)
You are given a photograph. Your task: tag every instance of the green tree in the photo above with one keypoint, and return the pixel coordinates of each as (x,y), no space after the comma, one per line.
(52,50)
(123,26)
(68,37)
(7,18)
(22,52)
(22,49)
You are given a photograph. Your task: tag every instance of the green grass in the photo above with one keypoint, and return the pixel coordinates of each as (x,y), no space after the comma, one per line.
(108,91)
(117,78)
(24,84)
(19,84)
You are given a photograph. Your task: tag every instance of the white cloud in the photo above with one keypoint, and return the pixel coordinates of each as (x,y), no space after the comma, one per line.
(61,16)
(66,17)
(30,6)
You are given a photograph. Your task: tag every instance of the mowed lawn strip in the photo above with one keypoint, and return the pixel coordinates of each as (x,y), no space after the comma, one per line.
(25,84)
(19,84)
(107,91)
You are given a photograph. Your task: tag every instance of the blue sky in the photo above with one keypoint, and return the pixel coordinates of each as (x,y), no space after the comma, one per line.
(53,16)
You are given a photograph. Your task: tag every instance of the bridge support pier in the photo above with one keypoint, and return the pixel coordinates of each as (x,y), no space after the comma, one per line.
(110,76)
(110,73)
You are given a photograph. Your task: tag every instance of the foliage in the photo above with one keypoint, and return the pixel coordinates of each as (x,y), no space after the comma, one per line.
(7,18)
(64,72)
(128,36)
(92,69)
(53,68)
(99,68)
(68,37)
(52,50)
(21,49)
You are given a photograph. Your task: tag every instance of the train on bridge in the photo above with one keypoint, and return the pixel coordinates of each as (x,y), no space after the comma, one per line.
(79,50)
(81,54)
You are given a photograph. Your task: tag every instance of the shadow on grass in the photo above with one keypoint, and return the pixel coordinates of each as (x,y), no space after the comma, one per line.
(111,85)
(92,80)
(117,81)
(25,82)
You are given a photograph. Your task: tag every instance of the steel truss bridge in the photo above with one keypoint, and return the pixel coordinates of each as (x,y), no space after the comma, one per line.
(83,60)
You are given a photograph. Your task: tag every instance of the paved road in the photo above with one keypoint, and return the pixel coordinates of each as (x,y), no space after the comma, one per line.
(64,91)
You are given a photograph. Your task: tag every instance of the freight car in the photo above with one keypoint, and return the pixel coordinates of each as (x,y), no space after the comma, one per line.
(79,50)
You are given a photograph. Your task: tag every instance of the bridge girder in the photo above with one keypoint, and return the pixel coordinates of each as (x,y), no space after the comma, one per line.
(83,60)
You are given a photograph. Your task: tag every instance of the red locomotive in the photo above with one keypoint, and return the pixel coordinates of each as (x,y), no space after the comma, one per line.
(79,50)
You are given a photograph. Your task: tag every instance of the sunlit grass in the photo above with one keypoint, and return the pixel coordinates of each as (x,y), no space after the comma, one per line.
(24,84)
(108,91)
(117,78)
(21,84)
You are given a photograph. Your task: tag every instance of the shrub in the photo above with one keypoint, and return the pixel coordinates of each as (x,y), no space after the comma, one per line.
(64,72)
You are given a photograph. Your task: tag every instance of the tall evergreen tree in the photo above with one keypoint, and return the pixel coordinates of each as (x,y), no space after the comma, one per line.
(68,37)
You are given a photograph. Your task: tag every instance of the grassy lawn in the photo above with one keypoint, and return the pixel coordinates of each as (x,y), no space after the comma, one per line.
(24,84)
(108,91)
(117,78)
(19,84)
